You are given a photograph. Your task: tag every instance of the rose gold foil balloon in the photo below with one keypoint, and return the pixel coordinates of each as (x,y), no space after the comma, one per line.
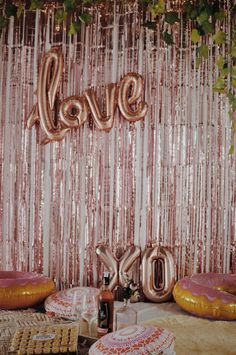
(131,87)
(126,262)
(33,116)
(103,122)
(110,262)
(73,119)
(49,77)
(116,267)
(158,274)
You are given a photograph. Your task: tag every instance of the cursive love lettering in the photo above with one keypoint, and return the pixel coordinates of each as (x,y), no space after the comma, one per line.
(74,110)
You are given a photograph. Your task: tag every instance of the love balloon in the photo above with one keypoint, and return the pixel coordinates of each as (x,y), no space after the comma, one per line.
(74,110)
(157,270)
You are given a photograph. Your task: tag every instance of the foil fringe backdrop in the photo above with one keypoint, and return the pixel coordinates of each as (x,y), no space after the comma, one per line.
(167,179)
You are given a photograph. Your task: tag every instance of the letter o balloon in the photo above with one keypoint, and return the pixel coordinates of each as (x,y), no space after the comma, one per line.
(158,274)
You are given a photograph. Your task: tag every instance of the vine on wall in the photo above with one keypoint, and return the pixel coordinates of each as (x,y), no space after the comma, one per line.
(206,18)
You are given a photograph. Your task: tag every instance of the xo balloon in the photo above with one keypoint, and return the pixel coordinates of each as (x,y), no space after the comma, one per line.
(158,274)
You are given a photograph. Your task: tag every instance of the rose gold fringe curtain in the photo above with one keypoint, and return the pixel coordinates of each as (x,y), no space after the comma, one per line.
(167,179)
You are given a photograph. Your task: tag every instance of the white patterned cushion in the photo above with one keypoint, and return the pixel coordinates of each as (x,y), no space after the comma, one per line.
(66,303)
(135,340)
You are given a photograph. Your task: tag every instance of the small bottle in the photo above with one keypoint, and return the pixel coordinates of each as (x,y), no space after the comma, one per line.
(105,307)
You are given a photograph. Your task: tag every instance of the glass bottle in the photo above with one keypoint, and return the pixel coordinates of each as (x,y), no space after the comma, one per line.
(105,307)
(126,315)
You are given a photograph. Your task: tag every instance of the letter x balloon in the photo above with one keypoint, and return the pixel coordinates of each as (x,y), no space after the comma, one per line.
(117,267)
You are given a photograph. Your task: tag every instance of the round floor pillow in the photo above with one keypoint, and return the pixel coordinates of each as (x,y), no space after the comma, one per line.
(135,340)
(67,303)
(23,289)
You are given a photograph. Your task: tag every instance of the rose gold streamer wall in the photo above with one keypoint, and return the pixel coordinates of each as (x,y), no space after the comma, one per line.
(167,179)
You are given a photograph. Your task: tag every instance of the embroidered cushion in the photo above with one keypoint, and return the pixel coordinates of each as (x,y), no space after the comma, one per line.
(135,340)
(67,303)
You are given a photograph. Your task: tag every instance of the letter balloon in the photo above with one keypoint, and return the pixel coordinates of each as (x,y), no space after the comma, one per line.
(117,267)
(110,262)
(130,91)
(126,262)
(73,119)
(158,274)
(103,122)
(49,77)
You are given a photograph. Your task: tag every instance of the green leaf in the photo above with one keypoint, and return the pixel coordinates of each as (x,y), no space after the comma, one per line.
(144,3)
(70,5)
(74,28)
(88,3)
(233,82)
(203,51)
(233,10)
(220,62)
(230,97)
(189,10)
(198,62)
(219,86)
(233,51)
(202,17)
(20,10)
(195,37)
(231,149)
(219,15)
(60,15)
(232,100)
(224,72)
(36,4)
(167,37)
(171,17)
(207,27)
(215,7)
(3,22)
(233,74)
(86,18)
(234,125)
(151,25)
(219,37)
(10,10)
(230,113)
(158,8)
(210,8)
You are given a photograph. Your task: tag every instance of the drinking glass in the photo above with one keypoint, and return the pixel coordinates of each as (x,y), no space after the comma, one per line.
(76,307)
(89,310)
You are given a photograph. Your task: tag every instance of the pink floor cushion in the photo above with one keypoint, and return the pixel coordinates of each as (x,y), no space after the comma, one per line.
(68,303)
(135,340)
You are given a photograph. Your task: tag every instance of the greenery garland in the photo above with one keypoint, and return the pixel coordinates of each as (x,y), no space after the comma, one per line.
(203,15)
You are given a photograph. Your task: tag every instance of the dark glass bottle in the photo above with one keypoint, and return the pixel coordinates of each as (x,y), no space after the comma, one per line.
(105,307)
